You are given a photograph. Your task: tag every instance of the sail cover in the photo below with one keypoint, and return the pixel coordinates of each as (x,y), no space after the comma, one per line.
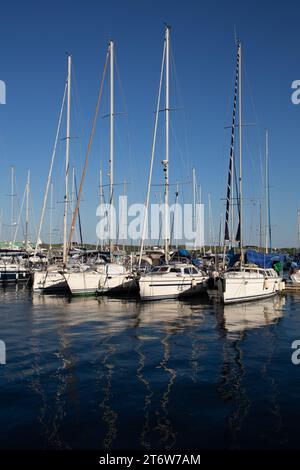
(260,259)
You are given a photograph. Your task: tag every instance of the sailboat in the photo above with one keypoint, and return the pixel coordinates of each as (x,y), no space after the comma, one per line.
(109,277)
(52,280)
(14,266)
(246,281)
(170,280)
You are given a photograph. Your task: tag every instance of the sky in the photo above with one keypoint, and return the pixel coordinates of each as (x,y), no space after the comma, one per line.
(34,39)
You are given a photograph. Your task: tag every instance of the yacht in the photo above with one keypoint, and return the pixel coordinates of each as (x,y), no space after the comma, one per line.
(172,281)
(248,282)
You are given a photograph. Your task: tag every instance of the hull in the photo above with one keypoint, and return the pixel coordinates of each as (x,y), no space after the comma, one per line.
(244,288)
(14,274)
(117,284)
(169,287)
(295,277)
(49,282)
(82,283)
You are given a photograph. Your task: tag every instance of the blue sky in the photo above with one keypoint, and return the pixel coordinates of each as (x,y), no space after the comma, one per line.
(34,38)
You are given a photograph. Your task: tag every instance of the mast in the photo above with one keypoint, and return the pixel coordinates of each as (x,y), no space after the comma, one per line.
(267,196)
(101,202)
(51,215)
(211,229)
(260,227)
(124,215)
(298,228)
(240,156)
(166,161)
(229,199)
(12,204)
(27,210)
(111,152)
(1,222)
(152,156)
(65,246)
(73,197)
(194,197)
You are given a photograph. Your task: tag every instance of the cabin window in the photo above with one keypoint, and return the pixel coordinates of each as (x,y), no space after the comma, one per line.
(194,271)
(164,269)
(186,270)
(154,270)
(175,270)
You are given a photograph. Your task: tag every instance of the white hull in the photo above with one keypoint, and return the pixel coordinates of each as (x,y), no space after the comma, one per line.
(115,283)
(46,280)
(244,286)
(295,277)
(105,279)
(83,283)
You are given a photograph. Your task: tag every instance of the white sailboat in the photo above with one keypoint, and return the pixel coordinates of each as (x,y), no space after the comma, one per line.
(245,282)
(170,280)
(111,277)
(52,280)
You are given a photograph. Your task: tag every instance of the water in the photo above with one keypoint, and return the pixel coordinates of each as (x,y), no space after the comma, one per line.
(113,374)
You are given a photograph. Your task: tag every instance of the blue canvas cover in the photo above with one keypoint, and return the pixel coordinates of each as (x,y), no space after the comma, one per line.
(183,252)
(260,259)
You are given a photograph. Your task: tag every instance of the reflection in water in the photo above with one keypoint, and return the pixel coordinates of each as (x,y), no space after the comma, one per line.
(168,319)
(234,323)
(164,425)
(241,317)
(166,316)
(109,415)
(144,438)
(64,377)
(113,374)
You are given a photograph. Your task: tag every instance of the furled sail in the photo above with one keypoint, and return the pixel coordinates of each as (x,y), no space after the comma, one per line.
(230,172)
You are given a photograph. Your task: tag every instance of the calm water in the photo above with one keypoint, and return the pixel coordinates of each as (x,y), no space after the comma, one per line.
(124,375)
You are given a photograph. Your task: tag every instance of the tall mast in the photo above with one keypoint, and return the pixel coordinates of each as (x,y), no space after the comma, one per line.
(1,222)
(194,197)
(111,152)
(73,198)
(124,215)
(65,247)
(166,161)
(298,227)
(240,154)
(266,193)
(51,215)
(101,202)
(27,210)
(260,227)
(12,204)
(228,234)
(194,183)
(152,155)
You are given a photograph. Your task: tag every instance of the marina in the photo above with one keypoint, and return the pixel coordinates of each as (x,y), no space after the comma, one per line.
(149,233)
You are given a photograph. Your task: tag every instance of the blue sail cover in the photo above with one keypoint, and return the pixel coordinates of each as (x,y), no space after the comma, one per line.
(260,259)
(183,252)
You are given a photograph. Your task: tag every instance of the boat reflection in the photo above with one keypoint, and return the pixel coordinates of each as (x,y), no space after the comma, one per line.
(163,322)
(235,322)
(242,317)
